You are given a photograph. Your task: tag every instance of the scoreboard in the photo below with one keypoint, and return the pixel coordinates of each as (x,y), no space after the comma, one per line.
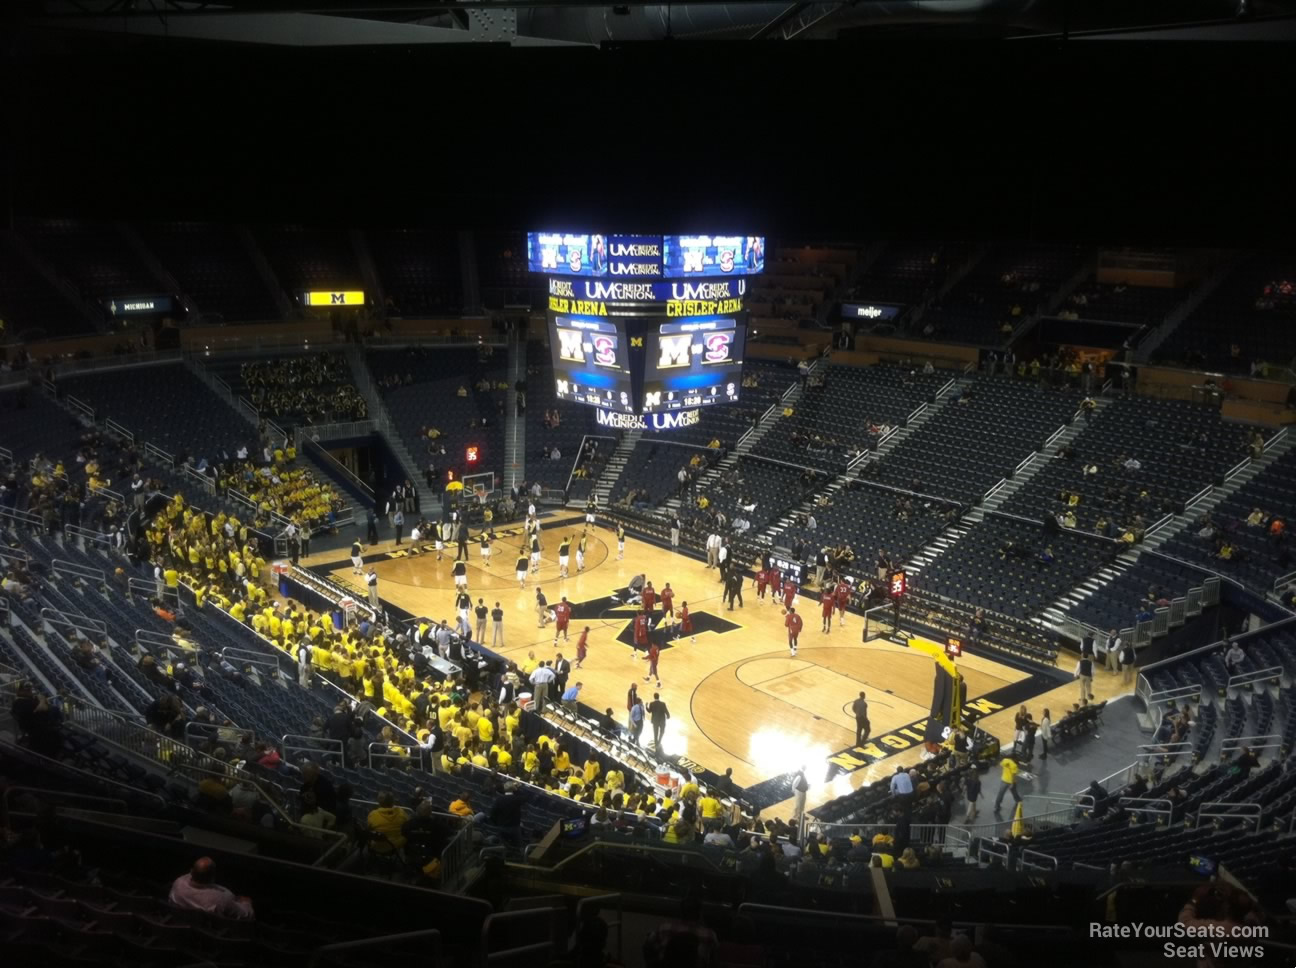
(647,364)
(693,362)
(604,255)
(646,327)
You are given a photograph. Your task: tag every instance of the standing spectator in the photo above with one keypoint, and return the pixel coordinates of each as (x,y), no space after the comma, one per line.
(1008,782)
(1113,650)
(371,579)
(658,712)
(1084,672)
(972,790)
(540,680)
(481,612)
(862,728)
(1045,732)
(497,626)
(198,891)
(636,719)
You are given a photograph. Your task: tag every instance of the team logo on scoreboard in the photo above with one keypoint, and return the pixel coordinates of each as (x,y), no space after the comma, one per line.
(674,351)
(726,260)
(605,349)
(574,259)
(717,347)
(569,345)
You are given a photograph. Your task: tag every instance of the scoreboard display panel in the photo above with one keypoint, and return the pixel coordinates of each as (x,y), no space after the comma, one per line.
(591,361)
(692,362)
(713,255)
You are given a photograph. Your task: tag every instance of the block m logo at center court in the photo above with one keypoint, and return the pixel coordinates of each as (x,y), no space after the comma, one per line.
(899,740)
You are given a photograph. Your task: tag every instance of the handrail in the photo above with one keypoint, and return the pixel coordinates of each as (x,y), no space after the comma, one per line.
(1226,810)
(546,914)
(322,957)
(157,452)
(1242,637)
(119,430)
(1255,675)
(53,616)
(1026,856)
(756,912)
(188,470)
(147,637)
(23,517)
(321,746)
(67,794)
(1234,744)
(1155,750)
(94,778)
(1146,805)
(80,405)
(76,570)
(1283,580)
(86,535)
(338,465)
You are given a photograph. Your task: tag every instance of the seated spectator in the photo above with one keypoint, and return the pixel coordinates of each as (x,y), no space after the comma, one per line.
(197,891)
(385,822)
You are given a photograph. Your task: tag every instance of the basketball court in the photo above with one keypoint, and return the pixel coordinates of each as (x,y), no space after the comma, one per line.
(736,697)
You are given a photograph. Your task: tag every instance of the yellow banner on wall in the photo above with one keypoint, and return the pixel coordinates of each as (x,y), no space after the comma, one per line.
(350,297)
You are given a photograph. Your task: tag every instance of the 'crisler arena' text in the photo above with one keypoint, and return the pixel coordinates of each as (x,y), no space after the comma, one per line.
(703,307)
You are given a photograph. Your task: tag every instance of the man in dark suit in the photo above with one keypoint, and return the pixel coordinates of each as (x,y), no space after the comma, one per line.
(562,669)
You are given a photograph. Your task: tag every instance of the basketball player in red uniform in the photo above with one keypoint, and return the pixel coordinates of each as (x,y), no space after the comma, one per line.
(562,614)
(826,603)
(668,607)
(649,597)
(654,653)
(686,623)
(843,599)
(794,625)
(789,593)
(640,634)
(775,581)
(761,578)
(582,647)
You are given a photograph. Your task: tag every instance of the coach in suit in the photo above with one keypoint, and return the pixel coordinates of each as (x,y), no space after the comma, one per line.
(562,669)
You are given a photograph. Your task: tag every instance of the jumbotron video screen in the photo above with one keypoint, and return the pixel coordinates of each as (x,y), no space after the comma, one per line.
(647,364)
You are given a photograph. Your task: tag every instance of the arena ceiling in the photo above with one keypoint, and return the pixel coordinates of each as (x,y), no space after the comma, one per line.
(525,23)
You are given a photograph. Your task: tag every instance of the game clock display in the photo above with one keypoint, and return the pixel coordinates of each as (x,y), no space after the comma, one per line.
(693,362)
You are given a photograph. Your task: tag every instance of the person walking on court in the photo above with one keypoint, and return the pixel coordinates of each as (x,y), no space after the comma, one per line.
(668,608)
(497,626)
(862,729)
(481,612)
(641,635)
(535,553)
(826,608)
(1008,771)
(1045,732)
(580,552)
(658,713)
(794,625)
(564,555)
(1084,672)
(371,579)
(582,647)
(562,615)
(521,568)
(357,562)
(485,541)
(1113,649)
(654,653)
(398,522)
(620,533)
(686,623)
(542,608)
(733,587)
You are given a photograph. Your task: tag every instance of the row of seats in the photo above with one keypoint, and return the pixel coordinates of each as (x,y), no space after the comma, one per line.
(977,439)
(1179,448)
(1008,284)
(1137,590)
(834,420)
(1244,311)
(1257,557)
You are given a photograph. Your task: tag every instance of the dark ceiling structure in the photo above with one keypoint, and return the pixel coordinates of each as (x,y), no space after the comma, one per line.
(879,117)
